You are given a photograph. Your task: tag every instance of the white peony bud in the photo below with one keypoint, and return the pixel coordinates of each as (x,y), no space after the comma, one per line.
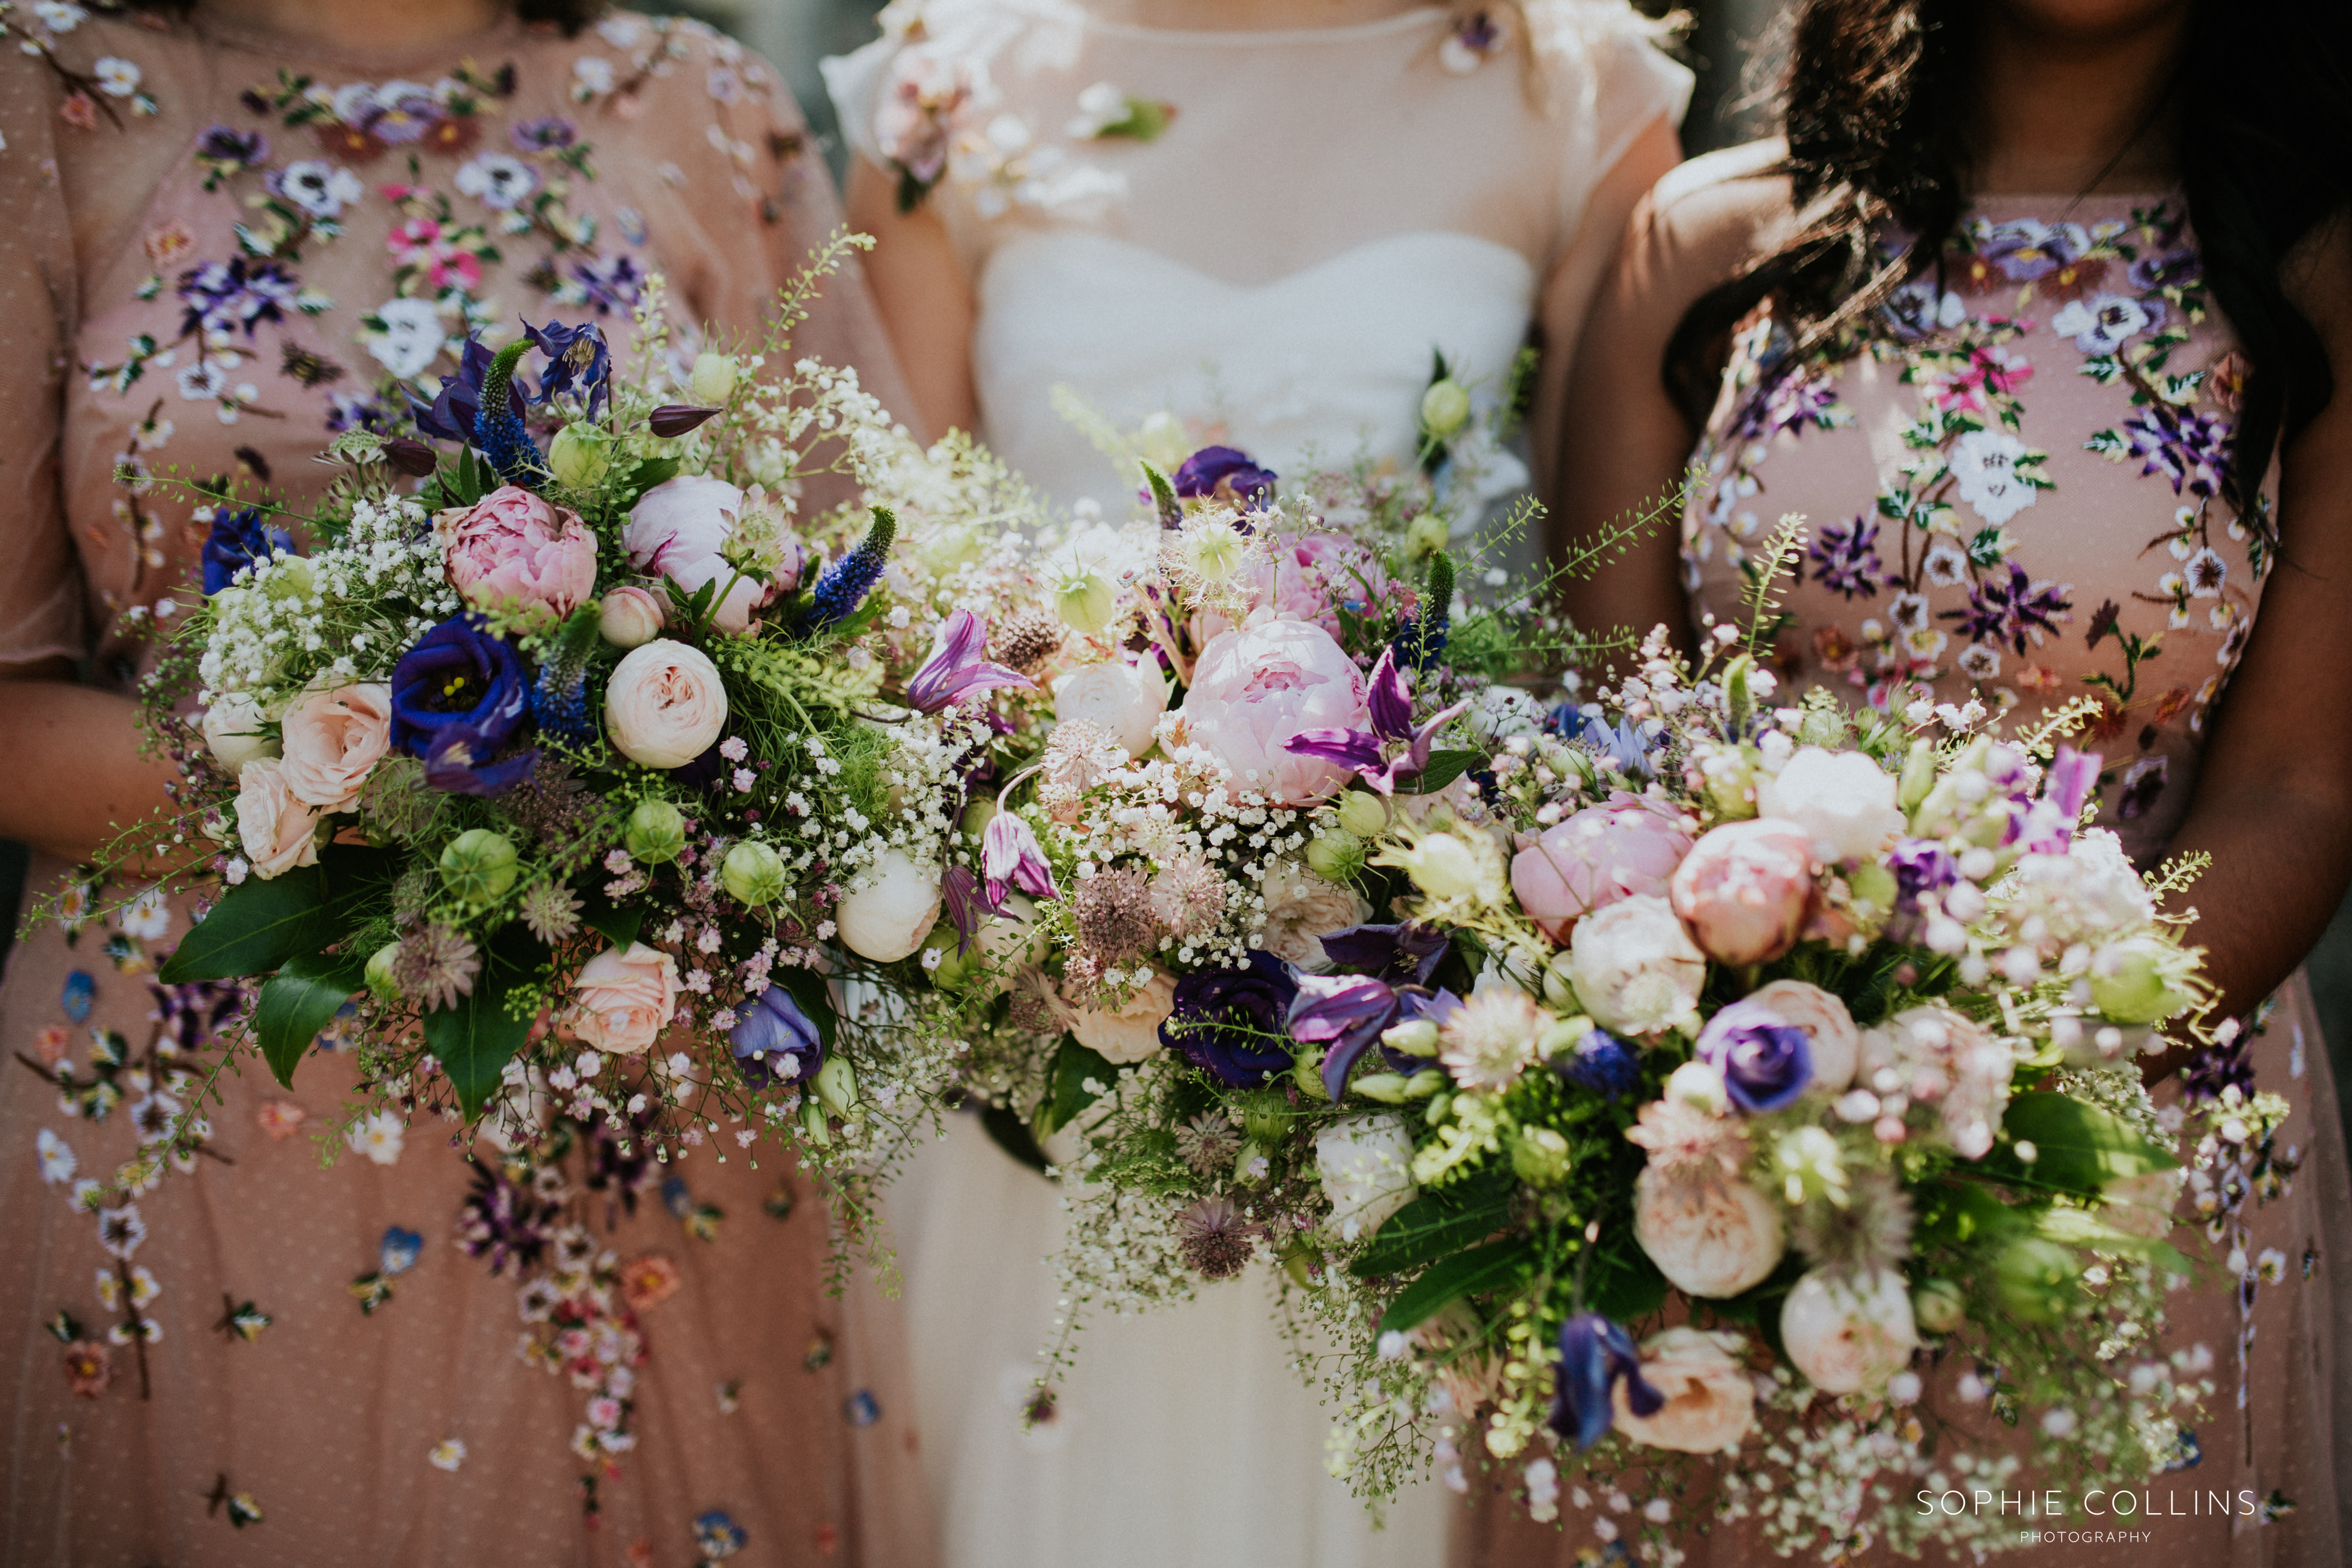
(889,917)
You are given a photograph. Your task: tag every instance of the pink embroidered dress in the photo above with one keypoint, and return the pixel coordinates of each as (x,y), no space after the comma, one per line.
(2012,494)
(221,250)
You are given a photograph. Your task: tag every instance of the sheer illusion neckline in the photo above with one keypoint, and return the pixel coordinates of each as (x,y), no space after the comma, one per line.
(1212,38)
(505,30)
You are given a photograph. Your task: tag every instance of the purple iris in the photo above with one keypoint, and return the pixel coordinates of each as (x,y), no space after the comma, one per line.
(239,538)
(1602,1063)
(1594,1354)
(459,402)
(1392,748)
(1229,1022)
(579,361)
(1205,469)
(775,1042)
(1765,1060)
(955,669)
(458,697)
(1343,1013)
(1403,955)
(1011,857)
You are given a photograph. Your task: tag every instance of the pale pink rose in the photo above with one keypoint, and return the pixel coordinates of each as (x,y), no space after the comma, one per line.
(624,998)
(1710,1403)
(276,828)
(1709,1235)
(512,549)
(1744,889)
(1836,1044)
(1849,1335)
(1595,858)
(333,741)
(1132,1033)
(664,705)
(1254,690)
(678,530)
(629,617)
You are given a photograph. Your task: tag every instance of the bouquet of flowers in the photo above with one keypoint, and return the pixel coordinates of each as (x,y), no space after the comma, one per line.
(556,749)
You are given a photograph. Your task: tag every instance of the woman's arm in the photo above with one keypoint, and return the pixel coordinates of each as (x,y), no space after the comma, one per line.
(926,302)
(2273,800)
(76,776)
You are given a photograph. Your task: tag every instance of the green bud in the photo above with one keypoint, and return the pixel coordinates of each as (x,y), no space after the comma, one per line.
(1563,1035)
(1250,1154)
(1442,865)
(1363,814)
(836,1086)
(1444,408)
(2132,981)
(1739,704)
(1424,1083)
(1298,1262)
(1939,1306)
(713,381)
(478,865)
(1825,727)
(1540,1157)
(1388,1087)
(952,973)
(949,548)
(656,833)
(291,577)
(580,455)
(979,815)
(1085,600)
(1918,776)
(1164,442)
(812,1120)
(1425,535)
(379,974)
(1875,885)
(1558,988)
(1307,1072)
(1335,857)
(752,874)
(1414,1038)
(2034,1278)
(1439,1105)
(1265,1118)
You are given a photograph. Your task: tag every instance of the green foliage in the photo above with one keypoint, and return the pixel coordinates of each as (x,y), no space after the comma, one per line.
(1068,1094)
(1438,1223)
(2078,1148)
(258,925)
(298,1002)
(1444,768)
(475,1040)
(1499,1265)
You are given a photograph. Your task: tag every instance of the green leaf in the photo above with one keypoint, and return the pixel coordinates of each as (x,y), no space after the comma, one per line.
(298,1002)
(1012,1135)
(258,925)
(1074,1063)
(1437,1223)
(808,988)
(2078,1148)
(476,1038)
(618,926)
(1494,1266)
(1624,1284)
(2081,1227)
(645,476)
(1444,768)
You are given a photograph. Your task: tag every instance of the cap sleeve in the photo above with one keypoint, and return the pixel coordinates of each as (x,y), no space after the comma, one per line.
(41,612)
(1609,81)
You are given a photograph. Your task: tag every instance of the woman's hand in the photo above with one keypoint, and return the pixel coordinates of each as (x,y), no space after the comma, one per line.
(925,301)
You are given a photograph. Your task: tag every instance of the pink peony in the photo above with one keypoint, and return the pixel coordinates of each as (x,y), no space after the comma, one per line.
(276,827)
(624,998)
(678,528)
(512,551)
(1744,889)
(1595,858)
(332,740)
(1255,688)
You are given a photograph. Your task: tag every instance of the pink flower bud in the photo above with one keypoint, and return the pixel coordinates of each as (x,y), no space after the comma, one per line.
(1595,858)
(1744,889)
(629,617)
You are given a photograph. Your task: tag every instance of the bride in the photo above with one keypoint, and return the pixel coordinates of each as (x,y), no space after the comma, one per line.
(1260,220)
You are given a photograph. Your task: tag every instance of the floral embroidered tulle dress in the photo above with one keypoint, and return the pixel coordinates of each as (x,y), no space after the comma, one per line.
(221,250)
(2013,492)
(1267,236)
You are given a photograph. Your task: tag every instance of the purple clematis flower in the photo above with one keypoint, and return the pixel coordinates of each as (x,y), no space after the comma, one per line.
(1011,857)
(955,669)
(1403,955)
(1345,1013)
(1205,471)
(579,361)
(967,906)
(775,1042)
(1594,1354)
(1392,748)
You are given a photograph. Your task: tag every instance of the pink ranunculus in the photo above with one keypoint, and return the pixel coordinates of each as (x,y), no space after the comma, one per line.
(512,549)
(1254,688)
(277,830)
(678,530)
(624,998)
(332,740)
(664,704)
(1744,889)
(1595,858)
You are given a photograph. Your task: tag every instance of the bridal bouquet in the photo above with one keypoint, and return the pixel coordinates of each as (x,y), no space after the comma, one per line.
(1628,1088)
(547,779)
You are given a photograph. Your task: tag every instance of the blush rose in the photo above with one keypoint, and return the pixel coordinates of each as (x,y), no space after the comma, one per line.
(333,739)
(624,998)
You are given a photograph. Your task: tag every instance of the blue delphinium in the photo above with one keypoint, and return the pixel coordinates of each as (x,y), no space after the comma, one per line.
(239,539)
(559,698)
(848,580)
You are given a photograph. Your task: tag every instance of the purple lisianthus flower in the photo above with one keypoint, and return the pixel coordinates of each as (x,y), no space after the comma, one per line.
(955,669)
(774,1042)
(1765,1060)
(1594,1355)
(458,697)
(1602,1063)
(1403,955)
(548,133)
(1204,470)
(1229,1022)
(1011,857)
(579,361)
(239,538)
(1343,1013)
(1921,865)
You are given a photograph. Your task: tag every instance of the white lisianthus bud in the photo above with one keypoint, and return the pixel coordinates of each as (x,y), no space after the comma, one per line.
(713,381)
(1635,967)
(233,730)
(889,917)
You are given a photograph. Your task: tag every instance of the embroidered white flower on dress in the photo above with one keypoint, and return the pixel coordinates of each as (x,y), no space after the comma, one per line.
(117,78)
(320,188)
(148,916)
(446,1455)
(497,180)
(412,337)
(57,1159)
(591,74)
(1945,564)
(1984,466)
(58,17)
(378,1136)
(2105,322)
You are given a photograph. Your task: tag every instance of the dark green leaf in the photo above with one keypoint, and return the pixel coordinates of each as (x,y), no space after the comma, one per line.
(1444,768)
(618,926)
(808,988)
(1623,1285)
(645,476)
(1074,1063)
(1436,1222)
(476,1038)
(2078,1148)
(1494,1266)
(256,926)
(298,1002)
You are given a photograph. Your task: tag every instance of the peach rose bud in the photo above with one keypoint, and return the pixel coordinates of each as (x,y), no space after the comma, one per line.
(277,829)
(1745,888)
(629,617)
(333,739)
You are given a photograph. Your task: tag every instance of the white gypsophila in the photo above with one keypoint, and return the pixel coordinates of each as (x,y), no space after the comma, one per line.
(2089,894)
(1941,1059)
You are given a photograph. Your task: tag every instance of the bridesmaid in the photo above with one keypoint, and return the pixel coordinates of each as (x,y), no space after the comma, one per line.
(233,230)
(2040,314)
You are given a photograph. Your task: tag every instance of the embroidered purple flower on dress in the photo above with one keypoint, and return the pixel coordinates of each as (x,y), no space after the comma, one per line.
(1845,558)
(399,118)
(2189,448)
(1393,748)
(548,133)
(2028,248)
(2014,608)
(609,283)
(226,297)
(956,669)
(505,1222)
(224,149)
(2175,269)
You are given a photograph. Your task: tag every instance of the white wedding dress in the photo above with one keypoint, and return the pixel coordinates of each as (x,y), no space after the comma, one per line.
(1323,212)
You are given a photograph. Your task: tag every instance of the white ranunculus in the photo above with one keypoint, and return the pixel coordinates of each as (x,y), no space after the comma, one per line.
(1132,1033)
(233,730)
(1366,1165)
(1301,909)
(1848,1336)
(1635,967)
(1712,1238)
(1845,800)
(1125,699)
(889,918)
(1710,1403)
(1834,1043)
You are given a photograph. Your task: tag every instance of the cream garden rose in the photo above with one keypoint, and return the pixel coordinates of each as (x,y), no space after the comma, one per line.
(333,739)
(1366,1168)
(233,730)
(665,705)
(1124,698)
(889,916)
(277,829)
(624,998)
(1848,1336)
(1300,909)
(1710,1403)
(1635,967)
(1713,1235)
(1132,1033)
(1844,799)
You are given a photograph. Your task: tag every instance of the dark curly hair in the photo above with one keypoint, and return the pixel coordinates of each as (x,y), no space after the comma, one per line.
(569,15)
(1874,100)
